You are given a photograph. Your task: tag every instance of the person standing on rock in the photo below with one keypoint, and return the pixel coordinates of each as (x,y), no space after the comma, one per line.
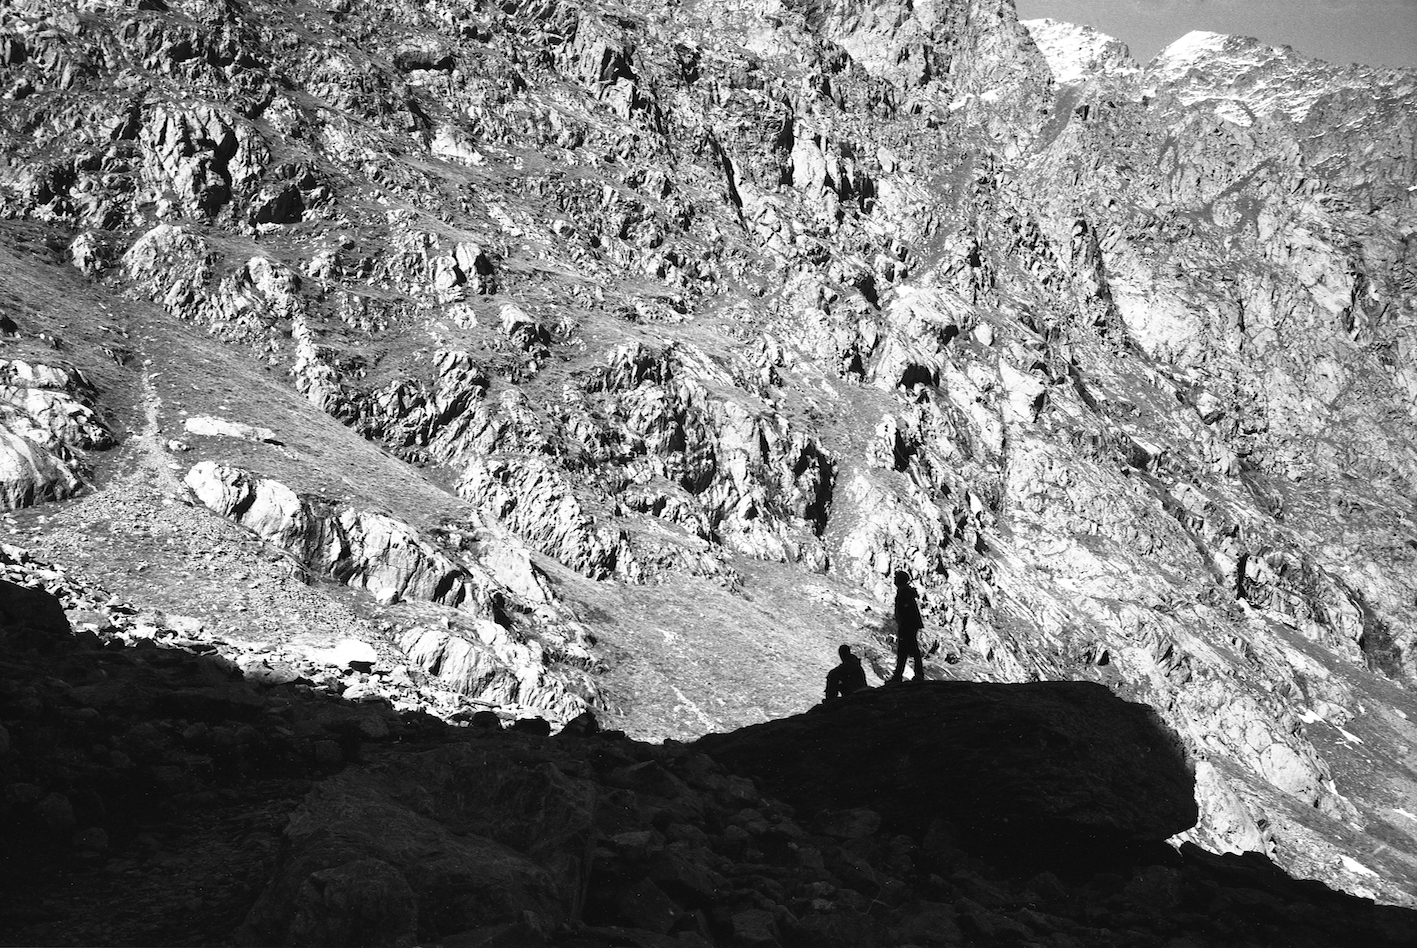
(908,625)
(847,677)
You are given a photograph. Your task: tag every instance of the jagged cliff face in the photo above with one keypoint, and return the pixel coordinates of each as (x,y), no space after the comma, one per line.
(618,356)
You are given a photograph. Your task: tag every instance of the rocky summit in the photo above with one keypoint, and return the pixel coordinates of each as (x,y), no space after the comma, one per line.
(371,370)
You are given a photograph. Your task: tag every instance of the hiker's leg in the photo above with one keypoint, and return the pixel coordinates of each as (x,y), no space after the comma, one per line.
(899,664)
(919,665)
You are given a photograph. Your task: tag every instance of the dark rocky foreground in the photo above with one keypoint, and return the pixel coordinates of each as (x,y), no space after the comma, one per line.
(153,795)
(1047,768)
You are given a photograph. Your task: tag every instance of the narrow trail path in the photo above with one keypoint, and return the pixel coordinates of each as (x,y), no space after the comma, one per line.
(138,535)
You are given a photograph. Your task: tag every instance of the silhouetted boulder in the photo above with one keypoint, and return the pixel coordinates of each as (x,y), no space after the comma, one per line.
(31,619)
(538,727)
(1049,763)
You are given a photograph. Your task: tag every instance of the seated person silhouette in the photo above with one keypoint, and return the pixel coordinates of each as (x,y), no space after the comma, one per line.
(908,624)
(847,677)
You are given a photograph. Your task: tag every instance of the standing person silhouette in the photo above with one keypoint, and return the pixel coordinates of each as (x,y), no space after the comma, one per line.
(908,625)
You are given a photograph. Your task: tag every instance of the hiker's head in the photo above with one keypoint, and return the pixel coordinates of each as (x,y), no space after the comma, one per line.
(902,578)
(844,652)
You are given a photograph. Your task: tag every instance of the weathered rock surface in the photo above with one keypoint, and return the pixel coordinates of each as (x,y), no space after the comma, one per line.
(1043,764)
(363,549)
(47,428)
(30,475)
(388,558)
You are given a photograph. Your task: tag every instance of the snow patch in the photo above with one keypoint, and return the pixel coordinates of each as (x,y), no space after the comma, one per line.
(347,654)
(1191,48)
(1076,53)
(1356,867)
(221,428)
(1234,113)
(1242,77)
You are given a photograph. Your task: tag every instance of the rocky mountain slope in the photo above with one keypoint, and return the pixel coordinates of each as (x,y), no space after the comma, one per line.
(613,356)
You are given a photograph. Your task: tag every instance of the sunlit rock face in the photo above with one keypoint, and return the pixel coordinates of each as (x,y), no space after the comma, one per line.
(620,355)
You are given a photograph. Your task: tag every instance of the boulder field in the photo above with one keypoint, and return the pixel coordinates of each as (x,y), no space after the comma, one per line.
(152,794)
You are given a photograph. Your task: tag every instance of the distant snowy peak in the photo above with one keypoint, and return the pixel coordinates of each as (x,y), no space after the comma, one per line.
(1241,74)
(1217,60)
(1077,54)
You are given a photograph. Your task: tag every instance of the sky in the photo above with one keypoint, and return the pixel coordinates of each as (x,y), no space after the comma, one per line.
(1378,32)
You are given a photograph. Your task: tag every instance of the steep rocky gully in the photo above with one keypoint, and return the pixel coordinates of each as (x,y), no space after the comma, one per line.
(373,373)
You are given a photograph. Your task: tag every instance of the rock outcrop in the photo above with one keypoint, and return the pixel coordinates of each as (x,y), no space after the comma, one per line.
(1044,765)
(492,661)
(48,426)
(363,549)
(30,475)
(31,618)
